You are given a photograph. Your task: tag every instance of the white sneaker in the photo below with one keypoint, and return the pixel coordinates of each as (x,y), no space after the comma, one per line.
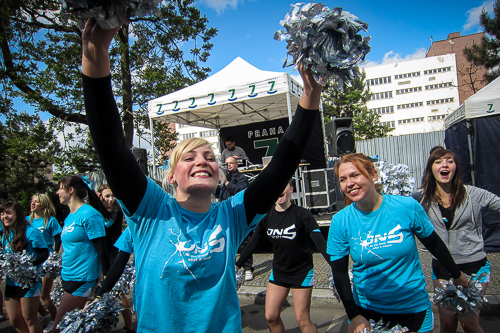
(49,327)
(248,276)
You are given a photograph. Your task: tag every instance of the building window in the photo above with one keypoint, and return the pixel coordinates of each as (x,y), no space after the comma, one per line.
(383,110)
(379,80)
(437,117)
(204,134)
(411,120)
(388,123)
(408,90)
(434,110)
(188,135)
(438,86)
(437,70)
(404,76)
(432,78)
(182,125)
(440,101)
(381,95)
(402,83)
(410,105)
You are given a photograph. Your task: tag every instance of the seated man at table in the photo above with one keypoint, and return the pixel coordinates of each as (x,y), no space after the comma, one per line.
(232,151)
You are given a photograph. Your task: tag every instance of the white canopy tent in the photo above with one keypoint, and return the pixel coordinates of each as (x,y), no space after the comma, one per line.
(236,95)
(486,102)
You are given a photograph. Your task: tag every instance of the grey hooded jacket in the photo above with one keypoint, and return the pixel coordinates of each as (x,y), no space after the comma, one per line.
(464,239)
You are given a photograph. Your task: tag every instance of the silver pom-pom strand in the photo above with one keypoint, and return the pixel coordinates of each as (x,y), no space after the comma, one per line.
(326,39)
(19,267)
(57,292)
(332,287)
(109,13)
(240,279)
(380,327)
(52,267)
(99,317)
(459,300)
(396,179)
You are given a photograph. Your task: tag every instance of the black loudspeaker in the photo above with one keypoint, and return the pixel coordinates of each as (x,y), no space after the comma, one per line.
(141,155)
(340,136)
(319,188)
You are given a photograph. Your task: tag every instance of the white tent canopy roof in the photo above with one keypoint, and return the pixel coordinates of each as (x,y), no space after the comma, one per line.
(236,95)
(484,103)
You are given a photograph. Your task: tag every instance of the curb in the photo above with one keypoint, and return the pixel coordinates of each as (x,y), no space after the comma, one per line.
(323,298)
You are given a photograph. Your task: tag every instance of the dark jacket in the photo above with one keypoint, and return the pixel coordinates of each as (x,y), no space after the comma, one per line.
(236,182)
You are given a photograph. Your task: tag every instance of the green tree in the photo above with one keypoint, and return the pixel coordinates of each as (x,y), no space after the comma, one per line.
(40,62)
(27,151)
(487,53)
(351,102)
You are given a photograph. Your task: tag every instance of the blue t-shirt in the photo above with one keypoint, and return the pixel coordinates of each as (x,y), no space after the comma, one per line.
(35,241)
(80,260)
(185,263)
(124,242)
(387,275)
(53,228)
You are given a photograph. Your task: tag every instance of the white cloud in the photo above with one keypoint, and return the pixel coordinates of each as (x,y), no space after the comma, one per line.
(473,15)
(220,5)
(392,57)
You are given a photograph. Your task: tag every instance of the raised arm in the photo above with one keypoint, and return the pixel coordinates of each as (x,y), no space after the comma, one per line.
(122,171)
(267,187)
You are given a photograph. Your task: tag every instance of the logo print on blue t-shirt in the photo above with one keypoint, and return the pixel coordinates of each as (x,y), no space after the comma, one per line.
(374,242)
(192,253)
(68,228)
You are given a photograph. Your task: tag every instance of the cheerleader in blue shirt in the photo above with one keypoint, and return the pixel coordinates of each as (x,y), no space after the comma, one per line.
(185,246)
(84,242)
(22,303)
(42,217)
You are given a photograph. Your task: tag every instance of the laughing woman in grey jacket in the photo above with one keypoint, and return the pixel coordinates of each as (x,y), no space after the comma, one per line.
(455,211)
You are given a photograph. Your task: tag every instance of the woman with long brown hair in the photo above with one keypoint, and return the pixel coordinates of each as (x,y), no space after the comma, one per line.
(22,303)
(42,217)
(84,242)
(455,211)
(378,231)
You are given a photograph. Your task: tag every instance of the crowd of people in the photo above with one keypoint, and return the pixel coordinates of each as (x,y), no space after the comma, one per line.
(185,245)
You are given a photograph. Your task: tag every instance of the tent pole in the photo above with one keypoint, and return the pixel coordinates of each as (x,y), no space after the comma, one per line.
(151,123)
(471,158)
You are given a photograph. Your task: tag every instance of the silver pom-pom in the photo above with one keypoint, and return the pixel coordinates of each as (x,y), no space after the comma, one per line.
(57,292)
(332,287)
(52,267)
(459,300)
(395,179)
(380,327)
(109,13)
(99,317)
(19,267)
(126,281)
(240,279)
(326,39)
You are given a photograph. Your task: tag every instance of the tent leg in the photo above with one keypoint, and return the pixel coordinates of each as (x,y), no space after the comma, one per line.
(471,158)
(151,123)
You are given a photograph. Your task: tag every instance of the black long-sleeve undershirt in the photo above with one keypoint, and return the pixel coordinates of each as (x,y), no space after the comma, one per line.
(102,250)
(57,243)
(114,273)
(118,162)
(43,254)
(340,269)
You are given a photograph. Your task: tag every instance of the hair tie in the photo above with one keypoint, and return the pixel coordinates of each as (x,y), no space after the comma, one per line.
(87,182)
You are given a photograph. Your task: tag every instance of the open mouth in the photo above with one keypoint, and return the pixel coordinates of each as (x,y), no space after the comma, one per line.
(444,173)
(201,174)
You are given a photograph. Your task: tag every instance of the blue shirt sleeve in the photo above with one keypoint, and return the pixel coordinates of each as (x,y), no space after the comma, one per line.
(54,226)
(35,238)
(421,225)
(338,242)
(124,242)
(94,226)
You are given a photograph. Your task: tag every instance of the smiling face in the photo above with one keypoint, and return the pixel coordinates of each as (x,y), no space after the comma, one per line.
(108,199)
(196,172)
(8,216)
(444,169)
(36,206)
(354,183)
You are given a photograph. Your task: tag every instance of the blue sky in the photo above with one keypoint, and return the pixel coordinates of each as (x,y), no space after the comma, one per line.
(400,30)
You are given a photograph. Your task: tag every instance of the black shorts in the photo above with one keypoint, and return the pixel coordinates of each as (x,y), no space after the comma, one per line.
(413,321)
(440,272)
